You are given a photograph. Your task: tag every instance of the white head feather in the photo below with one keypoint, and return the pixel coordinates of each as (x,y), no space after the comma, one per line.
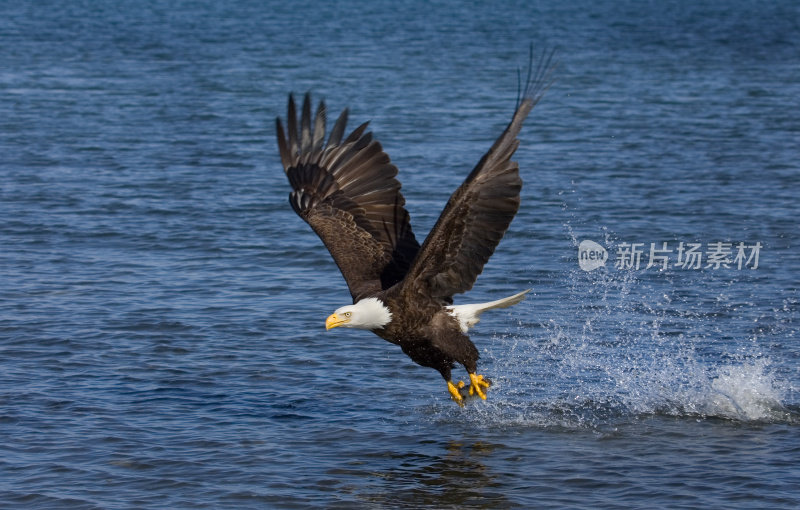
(369,313)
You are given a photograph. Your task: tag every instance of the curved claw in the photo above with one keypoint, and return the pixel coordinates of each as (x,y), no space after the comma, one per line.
(479,384)
(454,393)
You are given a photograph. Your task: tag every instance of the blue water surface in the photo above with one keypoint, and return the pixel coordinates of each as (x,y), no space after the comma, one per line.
(161,306)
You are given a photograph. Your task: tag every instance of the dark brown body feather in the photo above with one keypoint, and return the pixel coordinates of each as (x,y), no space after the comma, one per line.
(427,334)
(347,191)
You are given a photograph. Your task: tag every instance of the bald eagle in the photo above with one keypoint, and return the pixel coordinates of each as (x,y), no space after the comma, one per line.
(346,190)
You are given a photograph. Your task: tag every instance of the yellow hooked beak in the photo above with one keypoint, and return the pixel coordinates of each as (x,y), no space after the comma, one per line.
(334,321)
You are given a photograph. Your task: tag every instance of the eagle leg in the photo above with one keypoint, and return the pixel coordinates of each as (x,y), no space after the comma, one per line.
(455,394)
(479,385)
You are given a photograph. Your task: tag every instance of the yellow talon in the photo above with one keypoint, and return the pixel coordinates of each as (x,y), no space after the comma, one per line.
(478,385)
(454,393)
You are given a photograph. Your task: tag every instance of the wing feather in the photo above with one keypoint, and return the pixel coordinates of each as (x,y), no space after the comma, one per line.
(348,193)
(338,130)
(479,212)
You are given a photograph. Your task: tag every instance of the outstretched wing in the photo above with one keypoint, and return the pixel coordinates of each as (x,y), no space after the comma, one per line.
(347,191)
(478,213)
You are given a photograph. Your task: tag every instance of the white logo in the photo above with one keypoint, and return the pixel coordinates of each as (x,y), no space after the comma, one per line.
(591,255)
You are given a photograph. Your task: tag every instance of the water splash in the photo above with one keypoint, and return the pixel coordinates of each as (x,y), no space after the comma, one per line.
(576,388)
(627,345)
(746,392)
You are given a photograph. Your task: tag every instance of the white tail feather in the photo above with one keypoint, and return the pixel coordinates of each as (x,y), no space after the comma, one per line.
(468,315)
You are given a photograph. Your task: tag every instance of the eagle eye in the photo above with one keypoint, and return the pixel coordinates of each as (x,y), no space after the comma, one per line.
(347,314)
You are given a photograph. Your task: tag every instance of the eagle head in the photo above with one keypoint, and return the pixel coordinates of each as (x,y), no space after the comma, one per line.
(369,313)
